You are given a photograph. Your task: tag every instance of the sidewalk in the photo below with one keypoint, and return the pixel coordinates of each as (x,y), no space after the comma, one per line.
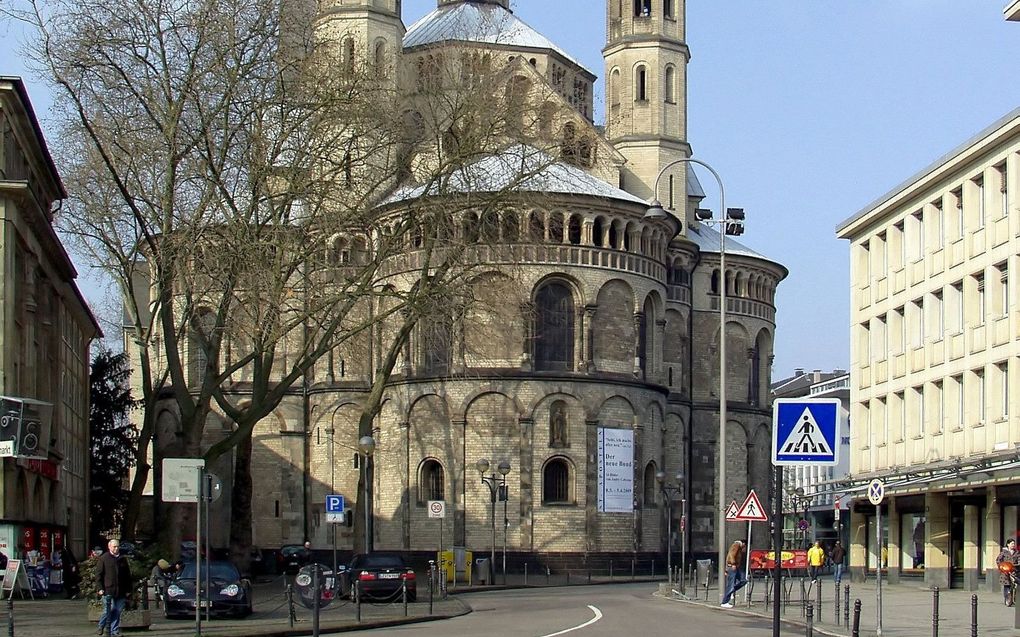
(65,618)
(907,609)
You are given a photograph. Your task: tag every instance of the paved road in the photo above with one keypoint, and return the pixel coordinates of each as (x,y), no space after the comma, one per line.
(629,610)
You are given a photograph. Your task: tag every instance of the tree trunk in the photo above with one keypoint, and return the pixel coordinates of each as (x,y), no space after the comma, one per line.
(240,507)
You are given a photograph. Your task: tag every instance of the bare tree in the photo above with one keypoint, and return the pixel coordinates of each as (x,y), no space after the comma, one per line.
(245,200)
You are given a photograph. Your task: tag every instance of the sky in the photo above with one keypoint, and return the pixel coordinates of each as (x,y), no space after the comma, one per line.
(808,109)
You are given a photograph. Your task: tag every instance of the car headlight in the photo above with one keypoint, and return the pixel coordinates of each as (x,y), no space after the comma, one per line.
(174,590)
(231,591)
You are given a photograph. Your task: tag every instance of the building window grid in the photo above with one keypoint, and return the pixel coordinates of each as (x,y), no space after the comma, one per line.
(1002,295)
(958,387)
(979,290)
(940,406)
(917,310)
(1003,190)
(918,224)
(980,389)
(901,249)
(939,313)
(958,202)
(901,399)
(939,224)
(1003,372)
(919,396)
(958,301)
(899,325)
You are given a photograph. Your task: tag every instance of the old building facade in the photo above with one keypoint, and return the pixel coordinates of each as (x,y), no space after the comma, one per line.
(602,318)
(44,351)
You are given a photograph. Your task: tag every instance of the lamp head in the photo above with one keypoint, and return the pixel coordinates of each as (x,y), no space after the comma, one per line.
(504,467)
(366,444)
(655,211)
(703,214)
(660,477)
(482,465)
(679,478)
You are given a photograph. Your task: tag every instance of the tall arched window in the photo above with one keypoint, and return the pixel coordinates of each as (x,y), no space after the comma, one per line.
(554,328)
(536,227)
(380,58)
(436,332)
(667,8)
(348,59)
(556,482)
(649,485)
(669,84)
(570,146)
(556,228)
(614,88)
(642,8)
(641,84)
(574,230)
(597,231)
(715,281)
(203,325)
(469,228)
(511,227)
(430,481)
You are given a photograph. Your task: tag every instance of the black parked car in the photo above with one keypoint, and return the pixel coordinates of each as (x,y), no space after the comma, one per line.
(230,593)
(291,558)
(382,575)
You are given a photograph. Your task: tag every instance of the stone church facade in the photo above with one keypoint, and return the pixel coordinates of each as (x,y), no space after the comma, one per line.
(610,320)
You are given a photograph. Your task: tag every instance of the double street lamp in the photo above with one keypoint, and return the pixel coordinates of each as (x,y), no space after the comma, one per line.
(497,489)
(799,500)
(366,447)
(731,221)
(670,491)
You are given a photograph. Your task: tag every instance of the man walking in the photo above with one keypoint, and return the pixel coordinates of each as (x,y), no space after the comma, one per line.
(735,579)
(113,575)
(837,556)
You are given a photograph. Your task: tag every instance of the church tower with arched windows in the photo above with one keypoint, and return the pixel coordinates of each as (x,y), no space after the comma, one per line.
(368,34)
(646,94)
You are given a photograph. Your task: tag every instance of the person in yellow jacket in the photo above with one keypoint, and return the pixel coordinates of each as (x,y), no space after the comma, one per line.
(815,560)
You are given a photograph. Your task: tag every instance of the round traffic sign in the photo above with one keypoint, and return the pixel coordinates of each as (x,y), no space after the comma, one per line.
(876,492)
(437,508)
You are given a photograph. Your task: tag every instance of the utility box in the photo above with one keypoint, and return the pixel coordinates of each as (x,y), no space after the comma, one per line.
(704,572)
(455,565)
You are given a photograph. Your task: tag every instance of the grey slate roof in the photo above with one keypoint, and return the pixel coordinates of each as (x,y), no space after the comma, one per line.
(498,172)
(478,22)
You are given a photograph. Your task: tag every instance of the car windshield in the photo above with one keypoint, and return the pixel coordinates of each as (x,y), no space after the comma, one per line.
(378,561)
(219,571)
(291,550)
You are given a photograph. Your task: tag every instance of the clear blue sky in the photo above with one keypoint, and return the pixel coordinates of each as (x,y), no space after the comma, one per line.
(809,109)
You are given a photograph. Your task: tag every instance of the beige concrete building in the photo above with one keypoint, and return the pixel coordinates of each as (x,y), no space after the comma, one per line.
(609,325)
(44,347)
(935,338)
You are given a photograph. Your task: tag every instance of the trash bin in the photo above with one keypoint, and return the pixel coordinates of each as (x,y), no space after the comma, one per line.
(704,572)
(483,570)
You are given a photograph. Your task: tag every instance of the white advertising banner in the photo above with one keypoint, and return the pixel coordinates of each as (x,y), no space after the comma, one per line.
(616,471)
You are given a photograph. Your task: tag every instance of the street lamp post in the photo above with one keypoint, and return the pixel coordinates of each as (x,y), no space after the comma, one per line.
(726,217)
(332,489)
(366,446)
(668,493)
(497,487)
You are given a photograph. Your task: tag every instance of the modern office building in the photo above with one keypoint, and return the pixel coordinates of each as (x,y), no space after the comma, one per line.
(935,337)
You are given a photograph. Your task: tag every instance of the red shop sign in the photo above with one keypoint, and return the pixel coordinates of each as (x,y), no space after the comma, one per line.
(28,538)
(792,558)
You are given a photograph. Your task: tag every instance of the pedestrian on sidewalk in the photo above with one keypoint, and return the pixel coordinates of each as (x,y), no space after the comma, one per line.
(1007,561)
(735,579)
(815,560)
(837,556)
(113,576)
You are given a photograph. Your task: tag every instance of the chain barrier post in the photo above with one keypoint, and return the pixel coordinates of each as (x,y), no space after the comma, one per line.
(836,603)
(856,631)
(610,569)
(935,612)
(818,597)
(432,582)
(810,619)
(632,569)
(547,574)
(525,573)
(403,593)
(10,615)
(973,616)
(317,592)
(357,599)
(803,597)
(289,594)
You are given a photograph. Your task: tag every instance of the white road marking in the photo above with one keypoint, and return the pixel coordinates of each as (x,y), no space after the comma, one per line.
(598,616)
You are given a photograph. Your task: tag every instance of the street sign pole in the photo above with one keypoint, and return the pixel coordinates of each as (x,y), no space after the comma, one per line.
(878,569)
(198,555)
(747,564)
(777,553)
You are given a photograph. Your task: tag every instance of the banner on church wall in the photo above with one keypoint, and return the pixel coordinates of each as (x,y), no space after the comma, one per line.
(616,470)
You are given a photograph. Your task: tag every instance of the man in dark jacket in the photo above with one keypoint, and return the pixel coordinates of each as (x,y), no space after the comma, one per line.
(113,576)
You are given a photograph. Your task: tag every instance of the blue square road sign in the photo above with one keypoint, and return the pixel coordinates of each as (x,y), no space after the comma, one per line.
(805,431)
(334,504)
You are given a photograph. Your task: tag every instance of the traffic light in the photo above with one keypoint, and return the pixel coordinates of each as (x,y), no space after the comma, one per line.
(734,222)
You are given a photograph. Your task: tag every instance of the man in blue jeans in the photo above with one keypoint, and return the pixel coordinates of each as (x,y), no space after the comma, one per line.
(113,576)
(837,556)
(735,579)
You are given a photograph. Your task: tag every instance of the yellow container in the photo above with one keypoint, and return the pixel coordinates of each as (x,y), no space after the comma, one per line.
(455,565)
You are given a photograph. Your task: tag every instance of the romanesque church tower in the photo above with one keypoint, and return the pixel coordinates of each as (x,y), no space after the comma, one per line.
(646,94)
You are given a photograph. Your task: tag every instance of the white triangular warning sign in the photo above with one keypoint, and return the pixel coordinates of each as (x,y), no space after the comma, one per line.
(731,511)
(805,439)
(751,510)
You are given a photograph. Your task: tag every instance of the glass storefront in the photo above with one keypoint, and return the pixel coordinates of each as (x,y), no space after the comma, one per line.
(873,551)
(912,533)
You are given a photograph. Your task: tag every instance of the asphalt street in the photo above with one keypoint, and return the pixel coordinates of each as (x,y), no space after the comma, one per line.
(589,611)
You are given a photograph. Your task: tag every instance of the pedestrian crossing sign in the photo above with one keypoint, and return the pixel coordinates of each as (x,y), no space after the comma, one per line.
(805,431)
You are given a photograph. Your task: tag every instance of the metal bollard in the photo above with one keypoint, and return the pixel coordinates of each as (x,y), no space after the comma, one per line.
(803,597)
(973,616)
(610,569)
(632,566)
(653,571)
(836,603)
(10,615)
(317,592)
(846,605)
(568,576)
(547,573)
(587,568)
(525,573)
(935,612)
(810,620)
(818,597)
(431,583)
(403,593)
(291,613)
(856,631)
(357,599)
